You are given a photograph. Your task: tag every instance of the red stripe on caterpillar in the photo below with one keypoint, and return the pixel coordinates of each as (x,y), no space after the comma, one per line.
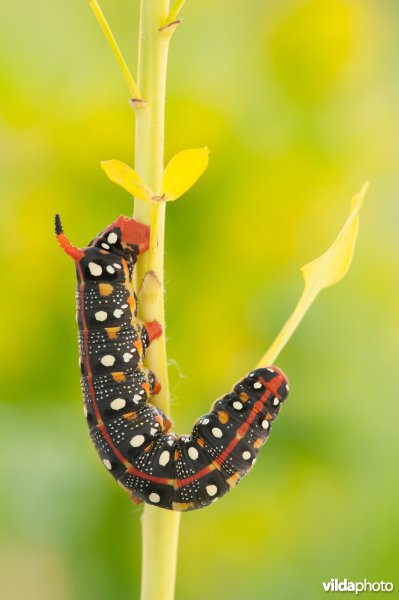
(131,436)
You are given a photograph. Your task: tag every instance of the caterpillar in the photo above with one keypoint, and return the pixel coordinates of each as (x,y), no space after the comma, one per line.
(132,436)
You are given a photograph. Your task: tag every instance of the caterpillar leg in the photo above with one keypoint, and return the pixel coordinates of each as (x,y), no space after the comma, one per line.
(154,330)
(167,422)
(157,388)
(148,333)
(134,499)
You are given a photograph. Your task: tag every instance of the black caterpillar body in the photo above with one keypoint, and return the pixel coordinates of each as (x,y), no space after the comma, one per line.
(131,436)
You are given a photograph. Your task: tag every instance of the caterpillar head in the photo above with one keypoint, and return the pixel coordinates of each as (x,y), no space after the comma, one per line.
(112,251)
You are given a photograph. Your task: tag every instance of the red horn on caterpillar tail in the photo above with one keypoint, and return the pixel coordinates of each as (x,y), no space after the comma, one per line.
(75,253)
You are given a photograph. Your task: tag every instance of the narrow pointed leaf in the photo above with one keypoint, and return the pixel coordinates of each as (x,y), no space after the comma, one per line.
(126,177)
(320,273)
(183,171)
(333,265)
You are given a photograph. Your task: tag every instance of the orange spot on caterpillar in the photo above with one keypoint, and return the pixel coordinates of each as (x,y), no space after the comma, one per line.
(139,347)
(125,269)
(223,416)
(132,302)
(181,506)
(105,289)
(118,376)
(200,442)
(130,416)
(244,397)
(258,443)
(176,454)
(146,387)
(112,332)
(233,480)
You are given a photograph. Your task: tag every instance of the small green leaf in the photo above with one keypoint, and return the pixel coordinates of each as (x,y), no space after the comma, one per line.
(126,177)
(320,273)
(183,171)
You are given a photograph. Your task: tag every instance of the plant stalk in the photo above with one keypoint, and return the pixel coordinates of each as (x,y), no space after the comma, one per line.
(159,527)
(136,97)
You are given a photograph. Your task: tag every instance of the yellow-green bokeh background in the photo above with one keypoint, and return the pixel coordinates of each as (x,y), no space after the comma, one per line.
(298,101)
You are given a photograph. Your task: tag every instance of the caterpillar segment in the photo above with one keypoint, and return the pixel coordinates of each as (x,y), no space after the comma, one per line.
(132,437)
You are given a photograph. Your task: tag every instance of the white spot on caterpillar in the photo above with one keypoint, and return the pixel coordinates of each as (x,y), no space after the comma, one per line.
(170,441)
(117,266)
(276,401)
(193,453)
(118,403)
(100,315)
(95,269)
(204,421)
(211,490)
(246,455)
(125,306)
(257,385)
(137,440)
(270,370)
(153,431)
(237,405)
(136,398)
(265,424)
(118,313)
(164,458)
(85,410)
(107,360)
(107,464)
(110,269)
(153,497)
(105,246)
(216,432)
(112,238)
(127,356)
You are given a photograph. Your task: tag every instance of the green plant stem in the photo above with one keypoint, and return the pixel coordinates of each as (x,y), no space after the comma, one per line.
(136,96)
(160,527)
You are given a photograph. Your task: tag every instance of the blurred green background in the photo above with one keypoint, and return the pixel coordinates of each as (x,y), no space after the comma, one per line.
(298,101)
